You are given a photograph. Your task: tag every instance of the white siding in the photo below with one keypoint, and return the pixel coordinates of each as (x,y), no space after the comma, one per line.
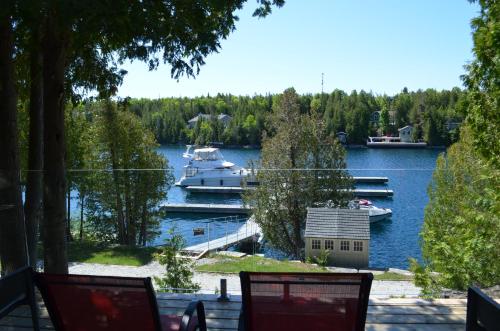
(338,258)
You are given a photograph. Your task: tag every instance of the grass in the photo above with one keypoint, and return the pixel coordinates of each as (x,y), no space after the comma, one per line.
(91,252)
(260,264)
(256,264)
(392,276)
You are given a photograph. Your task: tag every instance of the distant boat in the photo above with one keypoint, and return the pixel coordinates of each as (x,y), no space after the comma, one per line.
(198,231)
(207,167)
(375,213)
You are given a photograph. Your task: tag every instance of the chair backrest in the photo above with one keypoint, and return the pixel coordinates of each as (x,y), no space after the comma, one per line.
(482,312)
(17,289)
(304,301)
(80,302)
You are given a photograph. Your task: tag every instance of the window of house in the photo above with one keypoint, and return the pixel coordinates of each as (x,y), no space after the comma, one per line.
(344,245)
(329,244)
(316,244)
(358,246)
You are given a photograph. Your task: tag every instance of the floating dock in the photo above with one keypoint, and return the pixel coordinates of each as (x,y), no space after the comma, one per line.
(247,231)
(361,193)
(380,144)
(372,193)
(218,189)
(371,180)
(208,208)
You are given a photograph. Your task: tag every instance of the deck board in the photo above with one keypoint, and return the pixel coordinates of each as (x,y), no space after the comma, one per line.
(383,314)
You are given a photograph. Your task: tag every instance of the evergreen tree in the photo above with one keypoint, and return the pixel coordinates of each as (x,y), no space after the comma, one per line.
(287,188)
(461,227)
(122,203)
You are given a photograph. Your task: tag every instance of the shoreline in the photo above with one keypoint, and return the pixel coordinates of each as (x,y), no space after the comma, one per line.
(346,146)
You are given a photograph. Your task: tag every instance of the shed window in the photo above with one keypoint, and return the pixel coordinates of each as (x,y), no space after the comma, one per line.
(344,245)
(316,244)
(329,244)
(358,246)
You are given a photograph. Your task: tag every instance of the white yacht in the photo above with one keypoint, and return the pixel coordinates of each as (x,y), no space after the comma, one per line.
(207,167)
(375,213)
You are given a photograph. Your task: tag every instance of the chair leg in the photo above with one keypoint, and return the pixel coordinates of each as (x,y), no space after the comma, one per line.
(35,316)
(188,314)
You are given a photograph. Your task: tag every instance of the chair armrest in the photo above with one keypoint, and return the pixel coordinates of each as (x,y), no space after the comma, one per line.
(188,315)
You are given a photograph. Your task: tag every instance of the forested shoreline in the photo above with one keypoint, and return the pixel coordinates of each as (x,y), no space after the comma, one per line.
(434,114)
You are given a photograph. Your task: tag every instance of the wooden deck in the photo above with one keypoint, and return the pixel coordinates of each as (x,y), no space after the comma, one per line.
(383,314)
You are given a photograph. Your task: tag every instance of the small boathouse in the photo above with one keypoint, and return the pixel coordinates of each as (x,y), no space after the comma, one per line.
(344,233)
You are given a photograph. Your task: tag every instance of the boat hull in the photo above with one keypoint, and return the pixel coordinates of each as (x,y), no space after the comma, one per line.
(222,181)
(376,216)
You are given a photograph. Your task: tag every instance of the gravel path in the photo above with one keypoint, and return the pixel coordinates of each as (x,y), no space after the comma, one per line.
(210,281)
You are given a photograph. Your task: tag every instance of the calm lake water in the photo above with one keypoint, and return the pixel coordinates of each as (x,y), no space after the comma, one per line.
(392,241)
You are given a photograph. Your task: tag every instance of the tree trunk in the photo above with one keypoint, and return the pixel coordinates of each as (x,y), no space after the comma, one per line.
(33,203)
(82,199)
(122,235)
(54,193)
(12,230)
(144,220)
(69,237)
(129,217)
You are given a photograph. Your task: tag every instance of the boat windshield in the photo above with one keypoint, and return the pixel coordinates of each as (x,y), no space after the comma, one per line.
(207,155)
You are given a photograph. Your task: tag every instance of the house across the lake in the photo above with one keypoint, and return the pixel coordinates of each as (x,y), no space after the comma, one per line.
(344,233)
(223,118)
(342,137)
(375,117)
(405,134)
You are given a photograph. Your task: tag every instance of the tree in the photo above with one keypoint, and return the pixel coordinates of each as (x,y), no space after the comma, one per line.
(122,203)
(482,80)
(34,193)
(179,270)
(461,228)
(384,119)
(402,105)
(250,126)
(82,44)
(12,231)
(301,167)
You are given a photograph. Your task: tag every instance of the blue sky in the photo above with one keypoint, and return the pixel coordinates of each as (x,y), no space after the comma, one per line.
(375,45)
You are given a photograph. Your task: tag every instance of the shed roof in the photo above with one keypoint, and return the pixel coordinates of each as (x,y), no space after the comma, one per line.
(337,223)
(408,127)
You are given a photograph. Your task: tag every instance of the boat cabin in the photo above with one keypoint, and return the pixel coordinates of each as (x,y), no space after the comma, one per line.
(207,154)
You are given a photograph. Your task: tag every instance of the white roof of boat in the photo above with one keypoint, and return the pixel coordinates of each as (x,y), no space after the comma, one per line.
(206,149)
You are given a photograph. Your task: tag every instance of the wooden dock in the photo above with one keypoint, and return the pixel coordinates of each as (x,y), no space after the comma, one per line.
(206,208)
(361,193)
(246,231)
(393,314)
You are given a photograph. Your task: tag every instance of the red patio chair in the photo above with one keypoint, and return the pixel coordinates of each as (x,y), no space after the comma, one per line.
(93,303)
(304,301)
